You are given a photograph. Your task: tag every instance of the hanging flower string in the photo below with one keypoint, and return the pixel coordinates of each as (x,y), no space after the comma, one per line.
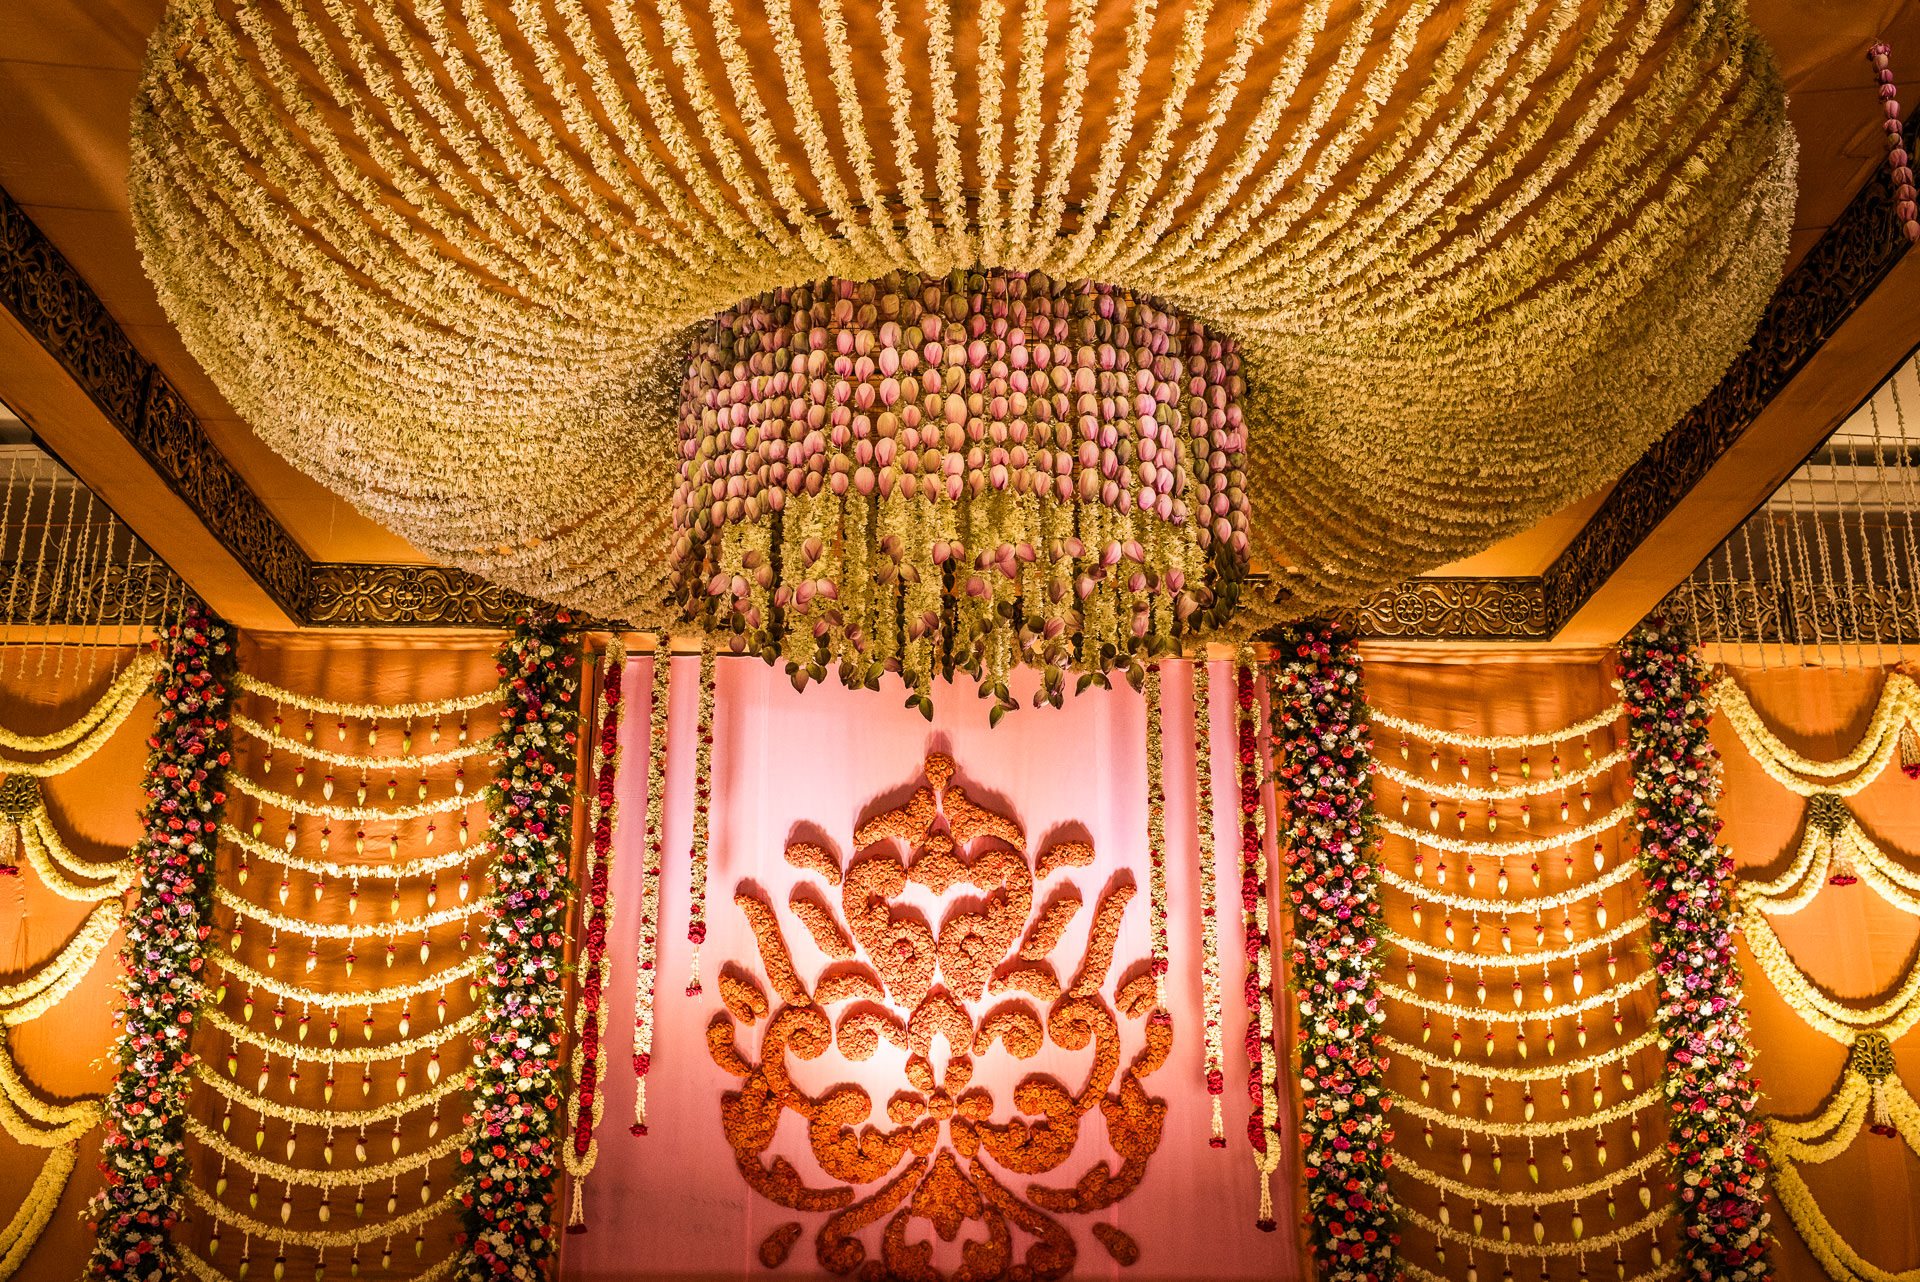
(647,943)
(1719,1163)
(1262,1069)
(1325,770)
(1156,836)
(589,1068)
(142,1152)
(702,802)
(1209,904)
(508,1166)
(1898,165)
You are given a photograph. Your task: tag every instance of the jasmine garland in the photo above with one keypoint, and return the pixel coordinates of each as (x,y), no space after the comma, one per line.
(1719,1164)
(508,1168)
(142,1154)
(1324,768)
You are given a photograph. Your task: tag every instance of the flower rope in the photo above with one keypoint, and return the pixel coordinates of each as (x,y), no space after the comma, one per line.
(469,1024)
(365,711)
(1840,1121)
(399,1224)
(1892,1018)
(1513,961)
(646,953)
(1545,1014)
(508,1164)
(1494,1197)
(205,1272)
(48,855)
(1508,907)
(1538,1251)
(1490,742)
(1209,894)
(1262,1088)
(702,803)
(588,1069)
(1497,850)
(1529,1130)
(1527,787)
(84,736)
(358,814)
(241,907)
(18,1103)
(1826,843)
(1541,1073)
(1899,699)
(342,1118)
(1325,773)
(142,1154)
(354,761)
(35,1212)
(1718,1161)
(67,967)
(331,998)
(394,870)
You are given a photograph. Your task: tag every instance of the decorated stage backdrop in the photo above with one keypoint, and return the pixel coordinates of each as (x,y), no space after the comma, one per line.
(940,935)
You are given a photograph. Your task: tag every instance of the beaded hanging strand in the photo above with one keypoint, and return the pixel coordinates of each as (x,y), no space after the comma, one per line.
(1209,905)
(1156,836)
(1899,167)
(702,800)
(585,1106)
(647,944)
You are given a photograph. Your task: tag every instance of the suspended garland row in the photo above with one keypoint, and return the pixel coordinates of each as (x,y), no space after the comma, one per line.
(509,1166)
(142,1153)
(588,1070)
(1325,772)
(1719,1162)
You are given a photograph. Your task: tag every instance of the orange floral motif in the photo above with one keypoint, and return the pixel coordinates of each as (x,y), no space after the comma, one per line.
(933,1150)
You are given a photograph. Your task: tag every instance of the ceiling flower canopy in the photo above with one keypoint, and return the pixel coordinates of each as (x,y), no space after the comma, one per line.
(450,257)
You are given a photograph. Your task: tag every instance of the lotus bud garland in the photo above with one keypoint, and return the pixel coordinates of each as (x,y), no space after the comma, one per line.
(918,474)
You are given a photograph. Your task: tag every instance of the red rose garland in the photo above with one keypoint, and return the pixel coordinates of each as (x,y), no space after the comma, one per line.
(1324,764)
(589,1069)
(647,941)
(702,800)
(1262,1061)
(141,1152)
(507,1168)
(1715,1147)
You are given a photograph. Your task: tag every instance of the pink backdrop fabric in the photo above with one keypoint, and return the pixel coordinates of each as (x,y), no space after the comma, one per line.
(788,766)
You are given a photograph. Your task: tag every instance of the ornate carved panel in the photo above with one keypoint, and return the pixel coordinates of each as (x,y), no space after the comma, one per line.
(116,596)
(1455,610)
(1850,259)
(406,596)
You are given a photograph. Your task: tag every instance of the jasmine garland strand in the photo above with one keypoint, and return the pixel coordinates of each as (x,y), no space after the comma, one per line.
(508,1165)
(1719,1164)
(702,800)
(142,1152)
(1209,909)
(1325,770)
(646,951)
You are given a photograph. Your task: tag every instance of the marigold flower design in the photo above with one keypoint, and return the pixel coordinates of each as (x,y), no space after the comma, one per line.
(979,978)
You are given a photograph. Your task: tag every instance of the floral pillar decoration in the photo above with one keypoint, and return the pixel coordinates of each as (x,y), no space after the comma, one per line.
(1209,897)
(646,954)
(1719,1162)
(142,1153)
(1262,1066)
(1325,770)
(589,1068)
(508,1166)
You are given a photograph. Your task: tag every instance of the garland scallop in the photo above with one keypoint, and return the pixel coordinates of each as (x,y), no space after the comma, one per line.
(1719,1162)
(1325,770)
(508,1166)
(142,1153)
(647,943)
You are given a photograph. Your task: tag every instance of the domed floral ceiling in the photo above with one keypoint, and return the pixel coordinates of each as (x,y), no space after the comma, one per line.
(603,300)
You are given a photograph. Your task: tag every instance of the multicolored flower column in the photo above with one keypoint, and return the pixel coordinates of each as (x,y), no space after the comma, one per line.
(141,1153)
(1324,769)
(509,1165)
(1719,1164)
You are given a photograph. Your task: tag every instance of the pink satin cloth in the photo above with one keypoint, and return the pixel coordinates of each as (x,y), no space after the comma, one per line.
(789,767)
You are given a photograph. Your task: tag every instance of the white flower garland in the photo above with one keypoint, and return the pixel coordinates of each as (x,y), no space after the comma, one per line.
(1807,874)
(1893,1017)
(1215,1032)
(1423,893)
(341,1118)
(646,950)
(1550,1197)
(66,968)
(365,711)
(1531,1130)
(339,929)
(354,761)
(331,1054)
(62,1124)
(314,1240)
(112,706)
(1898,702)
(355,814)
(280,1173)
(1514,961)
(1544,1072)
(1415,730)
(1645,1225)
(394,870)
(1663,1272)
(1497,850)
(338,998)
(1793,1142)
(205,1272)
(30,1220)
(48,856)
(1527,787)
(1546,1013)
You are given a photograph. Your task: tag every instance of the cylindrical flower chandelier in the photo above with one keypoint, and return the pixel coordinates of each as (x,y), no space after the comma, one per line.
(969,472)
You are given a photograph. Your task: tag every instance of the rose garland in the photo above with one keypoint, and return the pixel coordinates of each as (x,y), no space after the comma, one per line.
(702,802)
(1262,1071)
(1156,837)
(142,1152)
(1209,903)
(646,954)
(507,1166)
(1326,774)
(1719,1163)
(588,1069)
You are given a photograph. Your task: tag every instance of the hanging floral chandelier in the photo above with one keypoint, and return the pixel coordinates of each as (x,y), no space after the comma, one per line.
(462,262)
(968,472)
